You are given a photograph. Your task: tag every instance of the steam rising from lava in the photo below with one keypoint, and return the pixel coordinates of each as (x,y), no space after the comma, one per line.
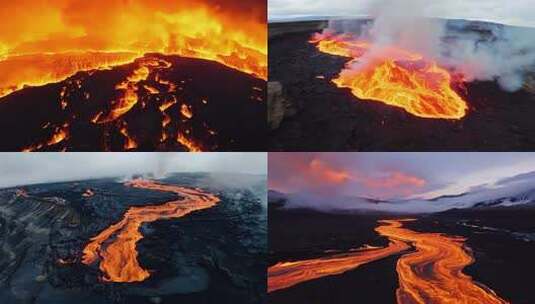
(420,52)
(47,41)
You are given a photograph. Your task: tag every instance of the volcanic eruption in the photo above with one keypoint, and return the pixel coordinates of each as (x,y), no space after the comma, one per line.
(395,77)
(91,75)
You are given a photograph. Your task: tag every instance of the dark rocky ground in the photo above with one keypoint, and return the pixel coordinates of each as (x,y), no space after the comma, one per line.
(504,257)
(235,110)
(325,118)
(213,255)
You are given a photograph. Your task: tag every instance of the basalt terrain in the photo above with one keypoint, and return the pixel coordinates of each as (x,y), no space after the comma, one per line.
(186,238)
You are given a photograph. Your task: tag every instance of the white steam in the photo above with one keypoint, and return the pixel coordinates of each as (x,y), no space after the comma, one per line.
(481,51)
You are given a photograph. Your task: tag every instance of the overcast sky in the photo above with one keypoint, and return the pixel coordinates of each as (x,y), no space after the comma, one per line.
(392,175)
(29,168)
(514,12)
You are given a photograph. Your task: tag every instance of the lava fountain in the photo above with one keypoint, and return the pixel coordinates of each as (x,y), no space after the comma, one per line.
(115,247)
(45,42)
(395,76)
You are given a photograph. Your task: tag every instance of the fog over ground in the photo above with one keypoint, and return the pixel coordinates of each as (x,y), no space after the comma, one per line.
(30,168)
(517,12)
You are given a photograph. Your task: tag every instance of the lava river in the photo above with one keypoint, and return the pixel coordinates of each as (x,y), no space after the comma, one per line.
(431,273)
(115,247)
(395,76)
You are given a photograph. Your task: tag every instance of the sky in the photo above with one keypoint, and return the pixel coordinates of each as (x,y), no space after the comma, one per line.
(517,12)
(30,168)
(392,175)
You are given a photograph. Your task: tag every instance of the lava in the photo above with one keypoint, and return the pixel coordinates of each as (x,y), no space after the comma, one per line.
(395,76)
(433,272)
(48,41)
(115,247)
(286,274)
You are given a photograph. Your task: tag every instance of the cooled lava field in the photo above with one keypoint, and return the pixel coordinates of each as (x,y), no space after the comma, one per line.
(216,254)
(155,103)
(320,116)
(501,242)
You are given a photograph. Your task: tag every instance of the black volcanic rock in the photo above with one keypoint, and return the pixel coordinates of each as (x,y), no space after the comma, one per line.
(216,254)
(228,109)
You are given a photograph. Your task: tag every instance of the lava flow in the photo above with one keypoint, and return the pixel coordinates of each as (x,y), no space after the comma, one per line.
(286,274)
(115,247)
(430,274)
(433,273)
(45,42)
(395,77)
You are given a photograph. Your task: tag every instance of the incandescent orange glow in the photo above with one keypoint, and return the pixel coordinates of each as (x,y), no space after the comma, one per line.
(433,273)
(395,77)
(115,247)
(47,41)
(286,274)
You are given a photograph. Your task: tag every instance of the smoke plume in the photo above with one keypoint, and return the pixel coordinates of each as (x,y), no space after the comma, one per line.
(480,51)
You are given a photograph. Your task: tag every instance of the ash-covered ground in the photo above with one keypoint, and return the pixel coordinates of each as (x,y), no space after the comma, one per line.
(212,255)
(502,241)
(209,106)
(308,112)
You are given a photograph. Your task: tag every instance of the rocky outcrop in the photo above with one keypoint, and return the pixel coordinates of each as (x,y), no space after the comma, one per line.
(279,106)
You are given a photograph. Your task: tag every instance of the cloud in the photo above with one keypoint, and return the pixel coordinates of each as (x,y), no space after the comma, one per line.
(335,173)
(29,168)
(518,12)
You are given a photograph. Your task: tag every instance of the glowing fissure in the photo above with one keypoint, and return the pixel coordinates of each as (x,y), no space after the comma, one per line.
(115,247)
(128,96)
(432,273)
(395,76)
(54,50)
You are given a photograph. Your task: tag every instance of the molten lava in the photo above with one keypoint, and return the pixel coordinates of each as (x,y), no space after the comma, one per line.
(395,77)
(430,274)
(433,273)
(47,41)
(286,274)
(115,247)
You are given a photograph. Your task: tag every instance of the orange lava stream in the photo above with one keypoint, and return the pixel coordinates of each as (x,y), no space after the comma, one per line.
(433,273)
(115,247)
(430,274)
(395,77)
(286,274)
(47,41)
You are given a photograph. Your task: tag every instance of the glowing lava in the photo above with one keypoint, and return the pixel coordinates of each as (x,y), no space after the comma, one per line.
(433,273)
(47,41)
(115,247)
(395,77)
(430,274)
(286,274)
